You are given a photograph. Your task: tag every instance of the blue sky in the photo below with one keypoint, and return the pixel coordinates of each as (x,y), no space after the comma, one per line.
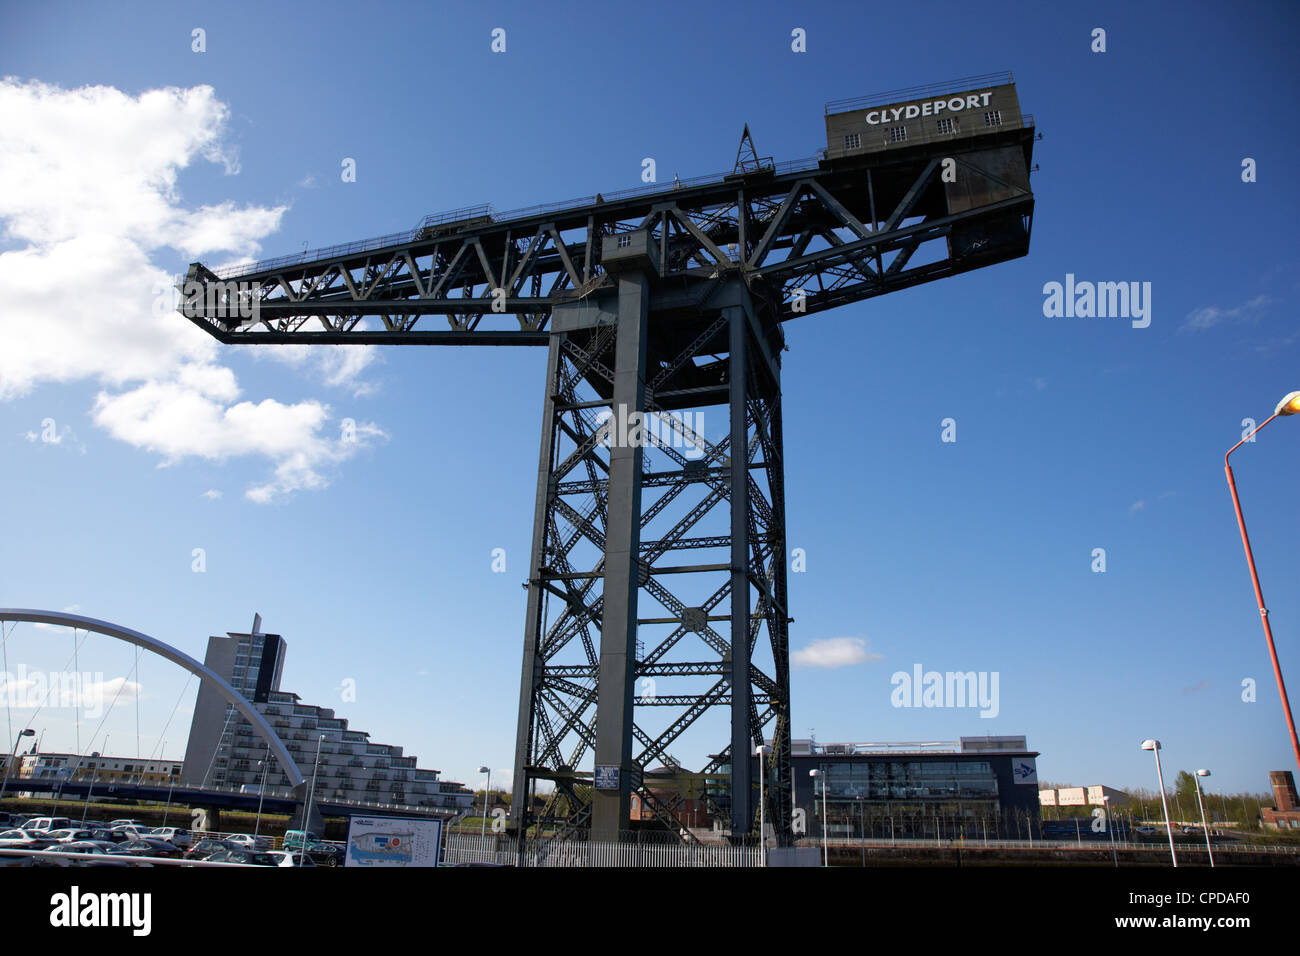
(375,562)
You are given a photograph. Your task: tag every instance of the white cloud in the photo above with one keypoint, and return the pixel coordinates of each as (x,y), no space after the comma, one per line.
(85,301)
(339,366)
(1137,506)
(1212,315)
(212,494)
(833,652)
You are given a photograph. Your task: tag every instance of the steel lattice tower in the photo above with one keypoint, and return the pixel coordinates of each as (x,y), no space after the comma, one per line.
(657,576)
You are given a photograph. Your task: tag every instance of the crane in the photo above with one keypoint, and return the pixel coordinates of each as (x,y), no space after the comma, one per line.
(658,558)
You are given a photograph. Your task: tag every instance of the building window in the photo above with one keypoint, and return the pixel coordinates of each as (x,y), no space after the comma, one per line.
(852,141)
(624,241)
(947,125)
(897,134)
(993,118)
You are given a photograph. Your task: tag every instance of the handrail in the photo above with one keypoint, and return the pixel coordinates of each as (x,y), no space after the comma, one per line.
(471,212)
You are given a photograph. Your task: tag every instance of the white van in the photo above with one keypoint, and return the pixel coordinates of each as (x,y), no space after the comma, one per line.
(47,823)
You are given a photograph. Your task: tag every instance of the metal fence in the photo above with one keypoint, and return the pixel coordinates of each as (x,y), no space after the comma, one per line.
(549,852)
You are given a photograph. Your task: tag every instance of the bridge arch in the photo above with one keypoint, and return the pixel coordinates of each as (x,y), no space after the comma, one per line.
(166,651)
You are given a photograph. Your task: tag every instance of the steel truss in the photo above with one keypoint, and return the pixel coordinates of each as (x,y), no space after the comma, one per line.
(612,612)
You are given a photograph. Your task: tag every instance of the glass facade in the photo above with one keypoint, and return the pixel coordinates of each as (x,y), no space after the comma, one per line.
(885,796)
(910,780)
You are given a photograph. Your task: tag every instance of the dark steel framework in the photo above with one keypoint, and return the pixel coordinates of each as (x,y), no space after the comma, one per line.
(658,301)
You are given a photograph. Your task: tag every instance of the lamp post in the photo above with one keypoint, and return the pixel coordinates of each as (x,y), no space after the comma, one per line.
(762,809)
(486,789)
(1201,804)
(1110,828)
(261,792)
(306,817)
(826,849)
(28,732)
(862,825)
(1290,405)
(93,772)
(1154,747)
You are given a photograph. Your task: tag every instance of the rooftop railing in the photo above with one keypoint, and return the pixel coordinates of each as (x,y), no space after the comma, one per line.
(918,92)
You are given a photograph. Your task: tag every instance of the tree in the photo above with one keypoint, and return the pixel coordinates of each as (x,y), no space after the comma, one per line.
(1185,788)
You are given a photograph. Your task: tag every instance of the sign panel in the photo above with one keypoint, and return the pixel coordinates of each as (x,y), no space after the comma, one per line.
(1024,770)
(606,777)
(393,841)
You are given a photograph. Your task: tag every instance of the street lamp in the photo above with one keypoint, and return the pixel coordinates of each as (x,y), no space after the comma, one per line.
(306,817)
(1110,827)
(261,792)
(1201,803)
(1154,746)
(93,772)
(28,732)
(826,849)
(1290,405)
(487,787)
(762,809)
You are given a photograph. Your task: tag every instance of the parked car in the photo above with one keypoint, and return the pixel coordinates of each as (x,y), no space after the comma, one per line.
(249,842)
(293,838)
(326,854)
(131,831)
(125,823)
(1148,831)
(205,848)
(240,855)
(174,835)
(24,840)
(70,834)
(146,847)
(103,856)
(289,858)
(83,846)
